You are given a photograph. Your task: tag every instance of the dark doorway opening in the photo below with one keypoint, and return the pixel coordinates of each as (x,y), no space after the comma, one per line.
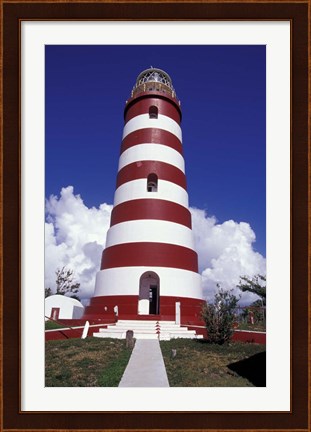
(153,300)
(149,294)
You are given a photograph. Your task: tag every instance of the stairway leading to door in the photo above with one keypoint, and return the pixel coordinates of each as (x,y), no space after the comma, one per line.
(147,329)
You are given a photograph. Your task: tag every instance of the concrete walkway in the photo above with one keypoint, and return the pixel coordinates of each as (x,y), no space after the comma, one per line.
(146,366)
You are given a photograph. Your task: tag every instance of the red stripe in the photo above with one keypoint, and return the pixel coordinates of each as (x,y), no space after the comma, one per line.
(150,209)
(151,136)
(139,170)
(142,106)
(149,254)
(102,307)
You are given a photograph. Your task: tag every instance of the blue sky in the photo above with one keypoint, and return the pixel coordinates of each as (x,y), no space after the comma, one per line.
(222,91)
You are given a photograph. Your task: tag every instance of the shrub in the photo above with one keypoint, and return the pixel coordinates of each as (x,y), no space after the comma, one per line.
(219,316)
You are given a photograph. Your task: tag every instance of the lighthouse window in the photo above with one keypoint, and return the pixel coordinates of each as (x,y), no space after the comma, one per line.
(152,183)
(153,112)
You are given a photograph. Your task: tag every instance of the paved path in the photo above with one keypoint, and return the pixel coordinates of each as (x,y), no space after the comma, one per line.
(146,366)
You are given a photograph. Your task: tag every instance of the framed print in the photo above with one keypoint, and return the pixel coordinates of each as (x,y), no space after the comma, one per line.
(29,32)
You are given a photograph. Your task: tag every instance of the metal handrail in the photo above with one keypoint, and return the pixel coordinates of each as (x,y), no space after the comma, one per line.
(154,86)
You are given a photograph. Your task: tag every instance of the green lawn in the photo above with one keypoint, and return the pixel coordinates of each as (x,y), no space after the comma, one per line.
(200,364)
(90,362)
(51,325)
(259,326)
(97,362)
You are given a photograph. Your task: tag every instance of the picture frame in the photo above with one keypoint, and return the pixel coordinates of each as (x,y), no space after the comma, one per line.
(11,16)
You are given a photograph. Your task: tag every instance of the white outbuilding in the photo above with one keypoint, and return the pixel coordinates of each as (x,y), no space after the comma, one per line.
(62,307)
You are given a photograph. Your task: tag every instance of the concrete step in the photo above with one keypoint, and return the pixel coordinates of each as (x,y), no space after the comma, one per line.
(176,329)
(154,330)
(145,329)
(146,336)
(141,335)
(124,330)
(145,322)
(122,335)
(133,325)
(136,325)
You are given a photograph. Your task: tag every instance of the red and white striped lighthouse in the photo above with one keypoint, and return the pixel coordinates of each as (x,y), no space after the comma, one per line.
(149,267)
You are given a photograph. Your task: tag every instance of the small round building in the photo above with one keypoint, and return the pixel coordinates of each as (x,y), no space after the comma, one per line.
(149,267)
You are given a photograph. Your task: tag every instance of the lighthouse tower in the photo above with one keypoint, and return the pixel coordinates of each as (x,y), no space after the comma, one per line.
(149,267)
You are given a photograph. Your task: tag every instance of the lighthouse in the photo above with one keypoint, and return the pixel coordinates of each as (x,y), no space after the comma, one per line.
(149,266)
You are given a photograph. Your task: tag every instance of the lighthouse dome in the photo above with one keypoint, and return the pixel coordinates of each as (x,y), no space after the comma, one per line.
(154,79)
(154,75)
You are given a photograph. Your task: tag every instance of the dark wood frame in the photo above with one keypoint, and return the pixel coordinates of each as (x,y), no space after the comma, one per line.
(11,14)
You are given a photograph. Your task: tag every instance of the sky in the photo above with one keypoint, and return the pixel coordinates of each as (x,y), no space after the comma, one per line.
(222,90)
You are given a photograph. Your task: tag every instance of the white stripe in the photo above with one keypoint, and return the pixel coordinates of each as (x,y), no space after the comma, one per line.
(143,121)
(137,189)
(125,281)
(152,152)
(150,231)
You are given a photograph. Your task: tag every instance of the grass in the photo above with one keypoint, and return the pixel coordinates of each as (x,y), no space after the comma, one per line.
(200,364)
(260,326)
(50,325)
(90,362)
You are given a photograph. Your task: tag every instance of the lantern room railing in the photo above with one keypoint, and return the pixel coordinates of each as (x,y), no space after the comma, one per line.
(154,86)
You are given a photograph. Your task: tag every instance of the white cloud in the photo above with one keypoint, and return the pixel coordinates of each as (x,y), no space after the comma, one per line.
(75,236)
(225,253)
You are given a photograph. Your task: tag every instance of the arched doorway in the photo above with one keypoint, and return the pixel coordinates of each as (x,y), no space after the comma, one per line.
(149,294)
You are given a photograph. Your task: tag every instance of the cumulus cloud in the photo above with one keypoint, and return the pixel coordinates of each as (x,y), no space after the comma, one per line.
(225,253)
(75,236)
